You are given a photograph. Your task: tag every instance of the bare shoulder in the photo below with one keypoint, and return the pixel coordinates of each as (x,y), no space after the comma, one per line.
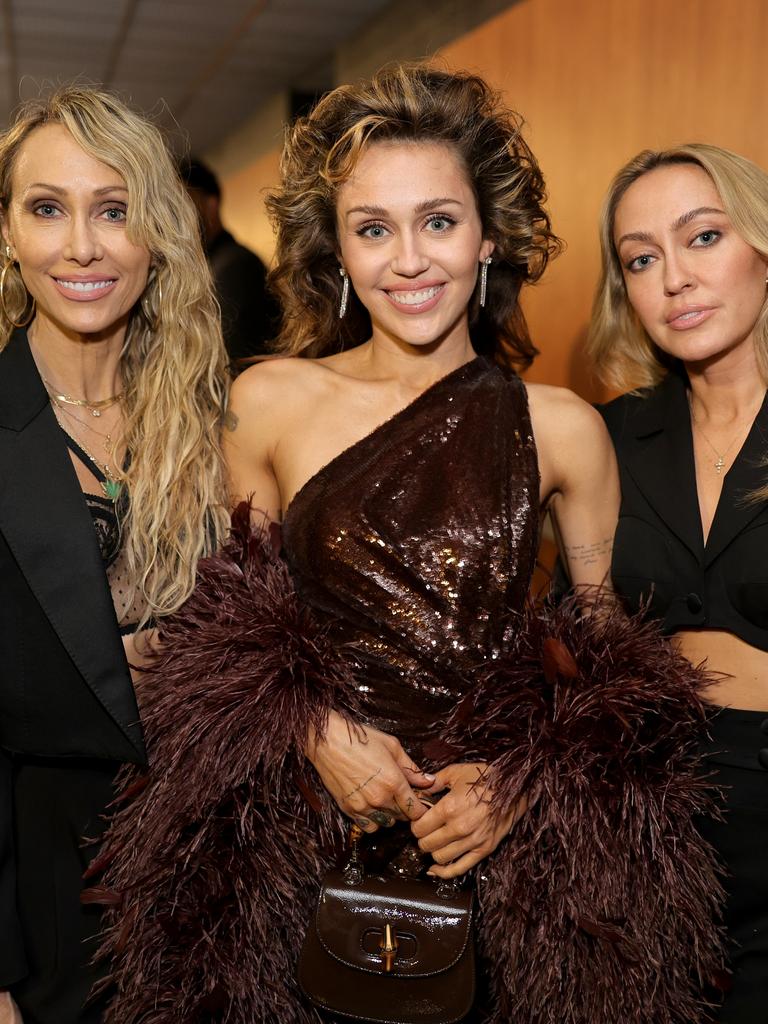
(275,379)
(559,414)
(273,391)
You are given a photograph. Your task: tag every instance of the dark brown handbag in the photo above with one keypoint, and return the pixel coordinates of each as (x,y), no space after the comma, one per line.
(388,947)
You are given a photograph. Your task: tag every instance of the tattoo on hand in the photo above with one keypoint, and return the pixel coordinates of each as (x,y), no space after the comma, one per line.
(382,818)
(363,784)
(589,554)
(230,421)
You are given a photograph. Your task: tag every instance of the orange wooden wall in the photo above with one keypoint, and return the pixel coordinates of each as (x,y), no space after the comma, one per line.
(596,80)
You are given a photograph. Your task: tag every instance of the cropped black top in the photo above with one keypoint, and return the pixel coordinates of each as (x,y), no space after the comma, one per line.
(659,554)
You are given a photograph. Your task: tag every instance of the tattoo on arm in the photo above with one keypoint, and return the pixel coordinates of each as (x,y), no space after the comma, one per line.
(230,421)
(589,554)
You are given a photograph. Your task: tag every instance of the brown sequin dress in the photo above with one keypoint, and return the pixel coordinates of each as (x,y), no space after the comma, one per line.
(414,549)
(418,539)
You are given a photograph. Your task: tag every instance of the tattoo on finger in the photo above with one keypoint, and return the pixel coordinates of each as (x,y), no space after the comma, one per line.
(382,818)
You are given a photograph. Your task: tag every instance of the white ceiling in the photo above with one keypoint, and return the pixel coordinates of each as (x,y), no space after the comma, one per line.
(206,65)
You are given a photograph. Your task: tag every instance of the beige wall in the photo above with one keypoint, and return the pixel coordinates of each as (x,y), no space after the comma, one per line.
(596,80)
(247,164)
(242,208)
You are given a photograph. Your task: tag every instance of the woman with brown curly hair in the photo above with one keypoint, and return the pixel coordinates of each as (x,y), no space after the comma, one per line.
(112,386)
(400,683)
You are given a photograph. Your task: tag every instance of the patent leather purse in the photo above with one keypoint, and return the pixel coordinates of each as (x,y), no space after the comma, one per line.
(387,944)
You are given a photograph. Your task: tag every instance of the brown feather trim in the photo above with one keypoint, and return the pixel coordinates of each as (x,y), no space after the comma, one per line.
(601,905)
(215,894)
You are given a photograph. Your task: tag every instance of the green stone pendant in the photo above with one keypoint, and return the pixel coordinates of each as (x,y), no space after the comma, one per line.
(111,489)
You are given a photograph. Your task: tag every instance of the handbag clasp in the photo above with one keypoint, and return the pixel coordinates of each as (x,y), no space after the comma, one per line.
(388,946)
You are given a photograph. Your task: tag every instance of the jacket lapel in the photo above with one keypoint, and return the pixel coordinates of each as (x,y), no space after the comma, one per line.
(748,473)
(661,461)
(47,525)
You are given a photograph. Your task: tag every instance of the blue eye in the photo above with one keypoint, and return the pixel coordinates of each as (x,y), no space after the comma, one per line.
(372,231)
(115,214)
(440,222)
(640,263)
(706,238)
(46,210)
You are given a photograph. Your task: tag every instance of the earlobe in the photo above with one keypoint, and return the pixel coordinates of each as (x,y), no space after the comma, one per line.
(486,249)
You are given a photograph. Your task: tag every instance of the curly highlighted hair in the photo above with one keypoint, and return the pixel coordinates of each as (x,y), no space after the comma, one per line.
(173,363)
(408,102)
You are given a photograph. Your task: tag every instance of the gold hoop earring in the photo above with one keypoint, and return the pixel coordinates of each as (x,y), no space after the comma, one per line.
(3,308)
(153,319)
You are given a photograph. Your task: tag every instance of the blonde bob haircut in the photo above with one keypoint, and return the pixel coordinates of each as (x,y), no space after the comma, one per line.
(173,362)
(411,103)
(621,349)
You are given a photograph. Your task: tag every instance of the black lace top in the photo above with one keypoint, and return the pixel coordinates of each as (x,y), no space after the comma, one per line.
(108,515)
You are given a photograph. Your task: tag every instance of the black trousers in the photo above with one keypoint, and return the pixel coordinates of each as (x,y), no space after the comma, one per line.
(741,841)
(56,803)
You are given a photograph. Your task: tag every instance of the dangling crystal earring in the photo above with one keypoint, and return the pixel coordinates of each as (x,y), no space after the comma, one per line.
(484,278)
(344,293)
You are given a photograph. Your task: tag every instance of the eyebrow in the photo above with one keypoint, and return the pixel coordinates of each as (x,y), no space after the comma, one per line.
(682,220)
(427,204)
(62,191)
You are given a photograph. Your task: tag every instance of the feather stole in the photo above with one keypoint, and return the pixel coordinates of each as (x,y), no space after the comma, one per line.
(601,906)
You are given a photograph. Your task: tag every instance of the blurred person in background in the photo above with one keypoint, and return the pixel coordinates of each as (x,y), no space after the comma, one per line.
(112,385)
(681,317)
(248,312)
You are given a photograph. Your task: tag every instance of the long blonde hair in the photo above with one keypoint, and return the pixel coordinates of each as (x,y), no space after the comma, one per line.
(173,363)
(621,349)
(408,102)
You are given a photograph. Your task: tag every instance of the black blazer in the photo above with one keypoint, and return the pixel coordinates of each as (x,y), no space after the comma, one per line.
(659,549)
(65,686)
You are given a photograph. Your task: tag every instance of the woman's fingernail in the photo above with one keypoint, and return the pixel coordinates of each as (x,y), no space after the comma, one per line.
(429,775)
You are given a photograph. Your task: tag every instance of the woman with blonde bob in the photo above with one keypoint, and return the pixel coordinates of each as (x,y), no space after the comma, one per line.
(681,317)
(112,386)
(386,672)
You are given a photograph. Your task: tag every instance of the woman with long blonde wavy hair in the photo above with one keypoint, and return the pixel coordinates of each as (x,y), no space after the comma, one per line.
(681,318)
(112,386)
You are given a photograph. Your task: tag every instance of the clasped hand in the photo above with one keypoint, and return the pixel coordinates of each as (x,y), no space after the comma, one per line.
(376,783)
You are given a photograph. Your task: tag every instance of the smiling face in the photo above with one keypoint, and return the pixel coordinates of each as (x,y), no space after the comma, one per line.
(411,240)
(66,225)
(696,285)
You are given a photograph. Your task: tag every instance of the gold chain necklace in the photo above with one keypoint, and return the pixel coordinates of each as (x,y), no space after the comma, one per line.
(94,408)
(719,462)
(112,486)
(106,439)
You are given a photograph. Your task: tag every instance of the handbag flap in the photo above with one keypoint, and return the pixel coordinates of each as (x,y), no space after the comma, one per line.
(429,932)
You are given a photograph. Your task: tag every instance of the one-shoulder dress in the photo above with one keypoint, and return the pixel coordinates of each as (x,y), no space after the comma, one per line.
(400,598)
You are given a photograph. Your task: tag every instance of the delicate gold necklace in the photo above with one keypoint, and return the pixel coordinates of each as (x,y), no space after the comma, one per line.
(719,462)
(111,486)
(94,408)
(106,438)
